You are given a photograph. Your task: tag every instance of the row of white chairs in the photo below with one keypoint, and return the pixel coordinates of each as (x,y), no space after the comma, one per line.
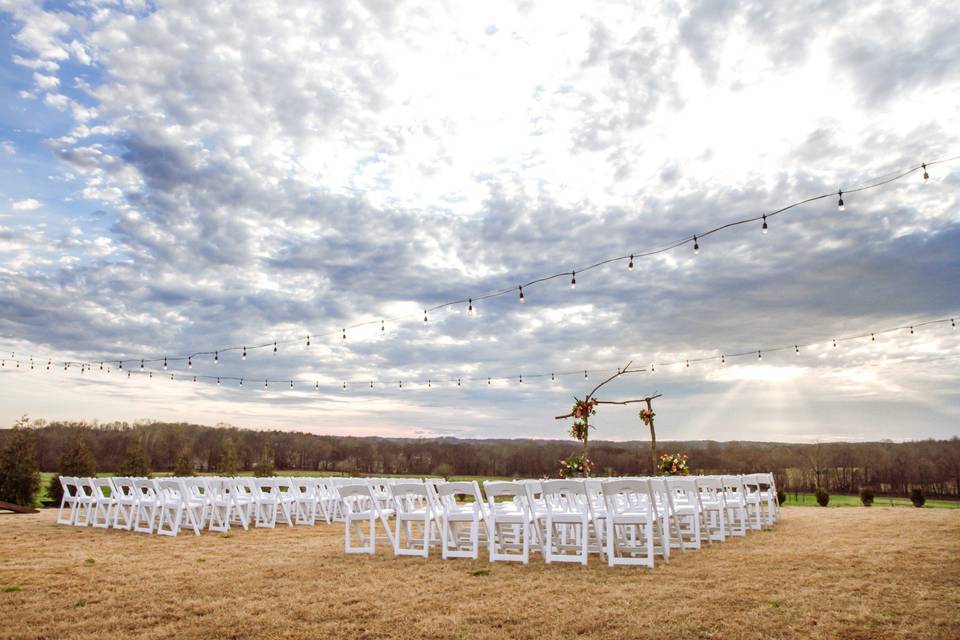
(624,520)
(167,505)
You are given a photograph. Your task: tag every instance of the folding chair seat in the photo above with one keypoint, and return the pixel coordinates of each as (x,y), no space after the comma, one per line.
(509,521)
(568,521)
(714,504)
(86,501)
(460,520)
(413,510)
(148,505)
(177,507)
(125,496)
(67,513)
(105,502)
(736,505)
(630,521)
(286,500)
(753,500)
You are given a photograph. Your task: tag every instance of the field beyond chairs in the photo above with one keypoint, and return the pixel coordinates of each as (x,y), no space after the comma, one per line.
(623,521)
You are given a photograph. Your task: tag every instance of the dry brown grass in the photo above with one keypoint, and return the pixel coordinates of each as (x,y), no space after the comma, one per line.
(823,573)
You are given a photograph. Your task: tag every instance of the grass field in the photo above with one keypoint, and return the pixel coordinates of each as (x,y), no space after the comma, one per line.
(822,573)
(801,500)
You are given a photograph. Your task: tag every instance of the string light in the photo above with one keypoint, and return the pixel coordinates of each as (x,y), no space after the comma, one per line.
(244,353)
(344,334)
(759,356)
(189,363)
(458,382)
(573,279)
(763,229)
(834,343)
(723,359)
(141,365)
(317,385)
(552,378)
(265,384)
(696,246)
(216,357)
(274,347)
(488,382)
(873,338)
(401,384)
(308,341)
(911,330)
(469,306)
(688,364)
(521,295)
(797,349)
(521,378)
(344,385)
(383,327)
(840,201)
(291,384)
(218,379)
(428,383)
(101,366)
(241,380)
(630,264)
(424,315)
(926,176)
(371,384)
(164,364)
(585,374)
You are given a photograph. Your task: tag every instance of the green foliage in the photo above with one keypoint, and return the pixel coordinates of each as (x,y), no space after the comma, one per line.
(183,465)
(76,461)
(229,461)
(823,498)
(443,470)
(673,464)
(135,464)
(264,465)
(19,475)
(917,497)
(866,496)
(781,496)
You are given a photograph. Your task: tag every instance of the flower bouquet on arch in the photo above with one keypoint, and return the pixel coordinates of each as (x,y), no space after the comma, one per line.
(673,464)
(577,465)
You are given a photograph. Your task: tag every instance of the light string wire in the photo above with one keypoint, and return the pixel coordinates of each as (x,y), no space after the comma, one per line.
(722,356)
(874,184)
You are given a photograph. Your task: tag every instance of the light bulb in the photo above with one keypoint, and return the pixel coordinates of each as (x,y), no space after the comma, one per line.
(458,382)
(552,378)
(218,379)
(763,229)
(630,264)
(926,176)
(834,343)
(840,201)
(797,349)
(101,364)
(371,384)
(194,378)
(521,296)
(873,338)
(308,341)
(488,381)
(274,347)
(241,380)
(696,246)
(244,353)
(585,375)
(344,385)
(128,372)
(317,385)
(723,359)
(344,333)
(521,378)
(171,377)
(383,327)
(141,364)
(189,363)
(424,315)
(573,279)
(911,330)
(428,383)
(653,369)
(265,385)
(151,374)
(291,384)
(216,357)
(119,364)
(470,306)
(688,364)
(759,356)
(401,384)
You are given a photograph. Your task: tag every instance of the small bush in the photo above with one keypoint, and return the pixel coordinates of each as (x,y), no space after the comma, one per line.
(866,496)
(917,497)
(823,498)
(781,497)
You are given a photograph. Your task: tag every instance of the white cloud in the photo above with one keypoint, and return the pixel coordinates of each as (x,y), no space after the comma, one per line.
(28,204)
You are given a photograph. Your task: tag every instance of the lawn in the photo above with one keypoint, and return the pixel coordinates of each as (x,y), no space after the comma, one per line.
(822,573)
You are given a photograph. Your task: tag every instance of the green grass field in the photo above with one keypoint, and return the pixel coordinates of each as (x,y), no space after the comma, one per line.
(798,500)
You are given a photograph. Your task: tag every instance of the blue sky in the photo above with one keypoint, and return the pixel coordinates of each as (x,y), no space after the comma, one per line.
(178,177)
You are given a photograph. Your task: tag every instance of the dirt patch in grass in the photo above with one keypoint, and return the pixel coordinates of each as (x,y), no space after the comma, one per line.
(823,573)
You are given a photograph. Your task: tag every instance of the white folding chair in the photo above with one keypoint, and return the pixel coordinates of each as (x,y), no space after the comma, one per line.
(305,500)
(714,504)
(125,503)
(768,493)
(413,509)
(148,505)
(630,518)
(359,506)
(220,504)
(687,510)
(178,507)
(509,521)
(568,521)
(267,502)
(105,502)
(86,501)
(459,519)
(68,503)
(286,500)
(735,496)
(753,500)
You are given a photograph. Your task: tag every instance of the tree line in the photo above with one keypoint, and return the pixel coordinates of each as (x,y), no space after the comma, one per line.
(136,449)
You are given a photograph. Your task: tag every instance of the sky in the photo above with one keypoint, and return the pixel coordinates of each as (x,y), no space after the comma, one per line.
(180,177)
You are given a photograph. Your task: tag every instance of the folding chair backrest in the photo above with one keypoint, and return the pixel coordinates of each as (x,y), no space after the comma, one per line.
(565,495)
(266,487)
(103,488)
(145,488)
(629,494)
(123,488)
(356,497)
(409,496)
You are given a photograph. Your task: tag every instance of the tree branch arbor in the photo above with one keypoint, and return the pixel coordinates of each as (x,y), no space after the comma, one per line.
(579,463)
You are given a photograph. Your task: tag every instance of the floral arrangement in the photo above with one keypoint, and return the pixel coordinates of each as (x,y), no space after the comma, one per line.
(575,465)
(646,416)
(582,410)
(673,464)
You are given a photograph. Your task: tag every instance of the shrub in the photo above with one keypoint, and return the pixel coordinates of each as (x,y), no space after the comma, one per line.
(823,498)
(917,497)
(264,466)
(229,462)
(781,496)
(76,461)
(866,496)
(19,477)
(135,464)
(183,465)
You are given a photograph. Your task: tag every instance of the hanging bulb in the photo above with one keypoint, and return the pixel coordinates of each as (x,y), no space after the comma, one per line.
(696,246)
(371,384)
(265,384)
(521,378)
(873,338)
(797,349)
(308,341)
(953,323)
(470,306)
(653,368)
(723,359)
(128,372)
(241,380)
(834,343)
(244,353)
(488,381)
(120,364)
(218,379)
(759,356)
(383,327)
(926,176)
(688,364)
(521,296)
(573,279)
(630,264)
(552,378)
(585,374)
(164,363)
(189,363)
(763,229)
(151,374)
(911,330)
(141,365)
(401,384)
(171,377)
(344,385)
(216,357)
(424,315)
(49,362)
(428,383)
(101,364)
(291,384)
(840,201)
(344,334)
(458,382)
(317,385)
(194,378)
(274,347)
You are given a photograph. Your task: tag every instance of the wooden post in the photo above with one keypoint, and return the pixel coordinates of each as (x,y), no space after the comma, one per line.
(653,438)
